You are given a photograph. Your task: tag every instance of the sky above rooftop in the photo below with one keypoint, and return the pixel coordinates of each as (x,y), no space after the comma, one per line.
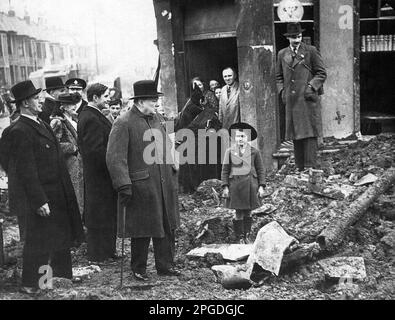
(125,29)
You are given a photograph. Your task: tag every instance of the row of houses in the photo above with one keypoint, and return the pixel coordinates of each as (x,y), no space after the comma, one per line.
(27,46)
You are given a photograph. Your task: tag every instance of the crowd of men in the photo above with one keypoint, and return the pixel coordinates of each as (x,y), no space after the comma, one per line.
(76,168)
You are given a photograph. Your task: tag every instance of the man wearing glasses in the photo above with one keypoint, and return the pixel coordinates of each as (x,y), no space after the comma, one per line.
(300,74)
(77,85)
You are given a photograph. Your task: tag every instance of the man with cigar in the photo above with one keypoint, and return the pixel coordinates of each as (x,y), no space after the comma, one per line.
(147,188)
(40,191)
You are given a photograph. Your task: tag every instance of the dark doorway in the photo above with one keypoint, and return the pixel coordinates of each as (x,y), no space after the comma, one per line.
(377,54)
(207,58)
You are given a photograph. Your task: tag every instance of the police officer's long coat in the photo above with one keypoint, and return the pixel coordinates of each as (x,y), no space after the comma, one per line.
(302,117)
(130,161)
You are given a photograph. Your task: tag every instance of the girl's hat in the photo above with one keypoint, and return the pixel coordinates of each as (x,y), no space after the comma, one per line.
(242,126)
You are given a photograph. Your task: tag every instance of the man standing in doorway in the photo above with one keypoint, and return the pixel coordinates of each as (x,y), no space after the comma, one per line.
(147,188)
(229,106)
(300,75)
(100,207)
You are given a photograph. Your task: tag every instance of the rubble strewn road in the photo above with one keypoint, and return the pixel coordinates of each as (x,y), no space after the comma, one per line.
(303,214)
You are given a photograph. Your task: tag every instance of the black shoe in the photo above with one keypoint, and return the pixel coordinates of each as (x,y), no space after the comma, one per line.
(169,272)
(140,276)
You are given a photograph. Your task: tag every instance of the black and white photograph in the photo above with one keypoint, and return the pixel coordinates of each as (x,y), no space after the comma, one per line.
(220,152)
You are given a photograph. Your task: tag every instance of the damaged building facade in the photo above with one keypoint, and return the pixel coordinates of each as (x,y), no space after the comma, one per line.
(355,38)
(27,46)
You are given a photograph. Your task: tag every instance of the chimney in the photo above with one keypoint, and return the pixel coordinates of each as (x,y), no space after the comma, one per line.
(27,17)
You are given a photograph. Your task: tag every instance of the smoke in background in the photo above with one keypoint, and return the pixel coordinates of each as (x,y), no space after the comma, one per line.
(125,31)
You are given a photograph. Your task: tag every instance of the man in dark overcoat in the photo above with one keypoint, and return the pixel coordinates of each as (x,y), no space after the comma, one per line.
(143,173)
(300,75)
(54,87)
(100,206)
(40,190)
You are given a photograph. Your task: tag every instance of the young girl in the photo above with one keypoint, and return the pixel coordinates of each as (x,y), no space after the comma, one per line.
(243,178)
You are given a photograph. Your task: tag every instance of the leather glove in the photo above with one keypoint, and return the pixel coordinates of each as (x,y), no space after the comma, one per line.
(125,194)
(310,94)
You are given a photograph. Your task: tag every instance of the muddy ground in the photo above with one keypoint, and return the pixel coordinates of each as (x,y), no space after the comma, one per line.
(302,214)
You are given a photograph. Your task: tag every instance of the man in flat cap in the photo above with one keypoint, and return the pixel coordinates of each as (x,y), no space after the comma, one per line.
(40,190)
(77,85)
(300,75)
(54,87)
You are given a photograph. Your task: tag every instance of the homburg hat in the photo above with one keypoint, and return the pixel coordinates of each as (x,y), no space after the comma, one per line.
(24,90)
(52,83)
(145,89)
(293,29)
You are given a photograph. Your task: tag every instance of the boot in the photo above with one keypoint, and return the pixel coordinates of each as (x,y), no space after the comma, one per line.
(247,221)
(238,229)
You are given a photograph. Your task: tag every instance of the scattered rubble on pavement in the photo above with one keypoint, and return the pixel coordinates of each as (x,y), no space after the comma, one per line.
(290,203)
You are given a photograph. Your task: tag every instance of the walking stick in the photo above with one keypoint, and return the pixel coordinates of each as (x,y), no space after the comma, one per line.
(123,242)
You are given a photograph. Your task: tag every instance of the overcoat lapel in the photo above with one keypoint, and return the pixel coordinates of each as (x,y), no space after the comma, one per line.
(46,133)
(71,129)
(101,116)
(299,56)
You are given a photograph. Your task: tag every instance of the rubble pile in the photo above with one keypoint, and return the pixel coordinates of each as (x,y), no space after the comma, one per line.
(302,206)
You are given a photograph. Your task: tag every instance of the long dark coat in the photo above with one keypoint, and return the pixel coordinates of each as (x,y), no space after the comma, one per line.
(100,205)
(82,105)
(48,107)
(37,174)
(67,137)
(243,174)
(302,117)
(154,184)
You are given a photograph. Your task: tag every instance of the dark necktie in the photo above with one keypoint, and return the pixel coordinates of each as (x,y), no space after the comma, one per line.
(294,53)
(228,91)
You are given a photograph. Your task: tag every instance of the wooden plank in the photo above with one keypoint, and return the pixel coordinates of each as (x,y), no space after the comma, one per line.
(165,39)
(209,16)
(256,55)
(207,36)
(357,64)
(179,53)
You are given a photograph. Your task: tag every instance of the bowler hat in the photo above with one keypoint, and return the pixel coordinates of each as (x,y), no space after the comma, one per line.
(69,98)
(76,83)
(52,83)
(24,90)
(145,89)
(244,126)
(293,29)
